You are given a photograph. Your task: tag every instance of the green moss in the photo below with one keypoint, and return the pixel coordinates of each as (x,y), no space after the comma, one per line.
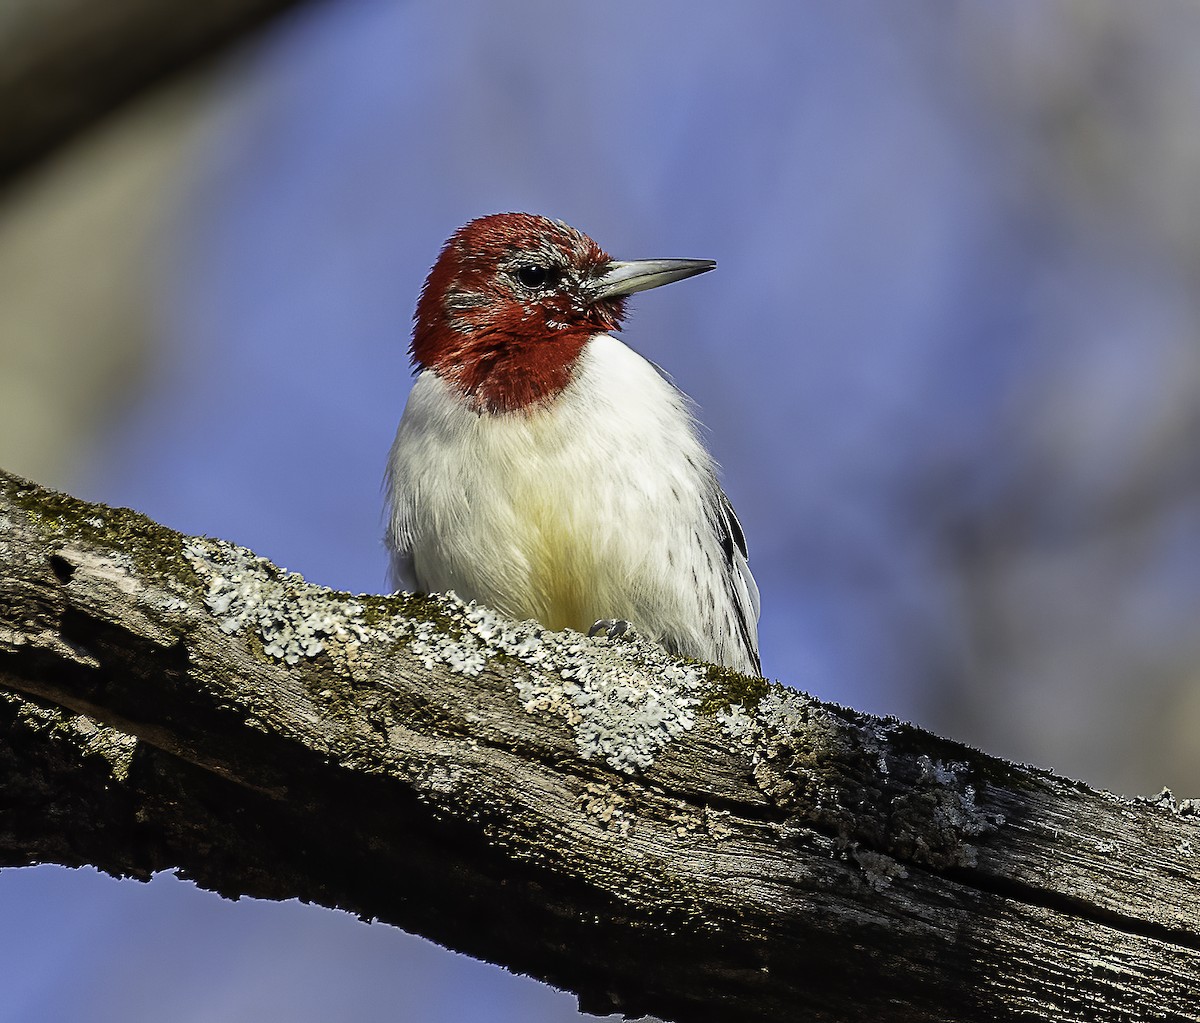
(380,610)
(154,549)
(727,687)
(909,741)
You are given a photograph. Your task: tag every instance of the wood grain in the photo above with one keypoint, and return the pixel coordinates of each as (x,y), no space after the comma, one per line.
(654,835)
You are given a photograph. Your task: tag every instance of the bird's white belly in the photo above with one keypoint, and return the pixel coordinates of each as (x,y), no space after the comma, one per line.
(565,513)
(552,541)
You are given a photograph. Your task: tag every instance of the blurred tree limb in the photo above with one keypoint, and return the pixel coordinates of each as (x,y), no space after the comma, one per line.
(65,64)
(655,836)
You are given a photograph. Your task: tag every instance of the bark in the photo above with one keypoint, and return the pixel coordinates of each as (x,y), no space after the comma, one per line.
(64,64)
(654,835)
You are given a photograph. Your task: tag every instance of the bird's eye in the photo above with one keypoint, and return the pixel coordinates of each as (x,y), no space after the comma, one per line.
(535,276)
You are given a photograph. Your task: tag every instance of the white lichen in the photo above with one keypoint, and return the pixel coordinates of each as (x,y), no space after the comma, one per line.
(1165,800)
(624,700)
(294,619)
(736,723)
(606,806)
(780,712)
(705,821)
(462,655)
(935,772)
(790,736)
(878,869)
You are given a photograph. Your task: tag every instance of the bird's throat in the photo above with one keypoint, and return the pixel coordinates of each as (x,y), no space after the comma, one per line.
(515,375)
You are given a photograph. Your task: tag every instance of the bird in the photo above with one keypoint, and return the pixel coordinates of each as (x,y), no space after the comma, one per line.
(543,468)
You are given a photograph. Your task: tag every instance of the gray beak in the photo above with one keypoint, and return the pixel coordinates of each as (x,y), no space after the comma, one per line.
(624,278)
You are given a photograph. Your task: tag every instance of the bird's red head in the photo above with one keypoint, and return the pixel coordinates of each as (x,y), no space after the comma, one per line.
(513,299)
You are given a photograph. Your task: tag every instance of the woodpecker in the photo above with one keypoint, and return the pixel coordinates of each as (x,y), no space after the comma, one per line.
(543,468)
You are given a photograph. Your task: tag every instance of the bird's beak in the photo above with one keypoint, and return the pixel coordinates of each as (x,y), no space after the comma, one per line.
(624,278)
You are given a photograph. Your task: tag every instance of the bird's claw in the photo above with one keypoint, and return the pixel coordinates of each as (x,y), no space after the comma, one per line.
(611,627)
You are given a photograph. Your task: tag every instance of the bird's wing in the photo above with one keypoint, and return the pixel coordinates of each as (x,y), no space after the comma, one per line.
(402,571)
(740,584)
(742,588)
(402,568)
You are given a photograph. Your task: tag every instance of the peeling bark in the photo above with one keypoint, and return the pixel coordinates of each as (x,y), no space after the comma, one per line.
(652,834)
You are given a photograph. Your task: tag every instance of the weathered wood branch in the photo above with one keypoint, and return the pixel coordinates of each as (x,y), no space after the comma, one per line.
(64,64)
(654,835)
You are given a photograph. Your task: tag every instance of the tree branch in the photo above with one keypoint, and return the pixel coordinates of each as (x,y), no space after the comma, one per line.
(655,835)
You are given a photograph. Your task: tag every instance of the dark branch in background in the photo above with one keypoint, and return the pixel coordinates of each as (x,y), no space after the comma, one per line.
(654,835)
(65,64)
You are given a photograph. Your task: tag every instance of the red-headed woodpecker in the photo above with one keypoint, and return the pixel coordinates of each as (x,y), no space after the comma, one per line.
(546,470)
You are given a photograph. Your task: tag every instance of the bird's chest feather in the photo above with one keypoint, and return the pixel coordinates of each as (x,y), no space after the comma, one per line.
(554,525)
(556,511)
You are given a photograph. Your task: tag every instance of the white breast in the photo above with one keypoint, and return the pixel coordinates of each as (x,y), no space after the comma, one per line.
(601,504)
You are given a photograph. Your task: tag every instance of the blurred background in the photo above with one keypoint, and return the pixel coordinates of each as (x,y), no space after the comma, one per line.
(949,362)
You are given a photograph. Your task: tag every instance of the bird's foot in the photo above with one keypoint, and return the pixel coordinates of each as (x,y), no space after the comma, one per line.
(611,627)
